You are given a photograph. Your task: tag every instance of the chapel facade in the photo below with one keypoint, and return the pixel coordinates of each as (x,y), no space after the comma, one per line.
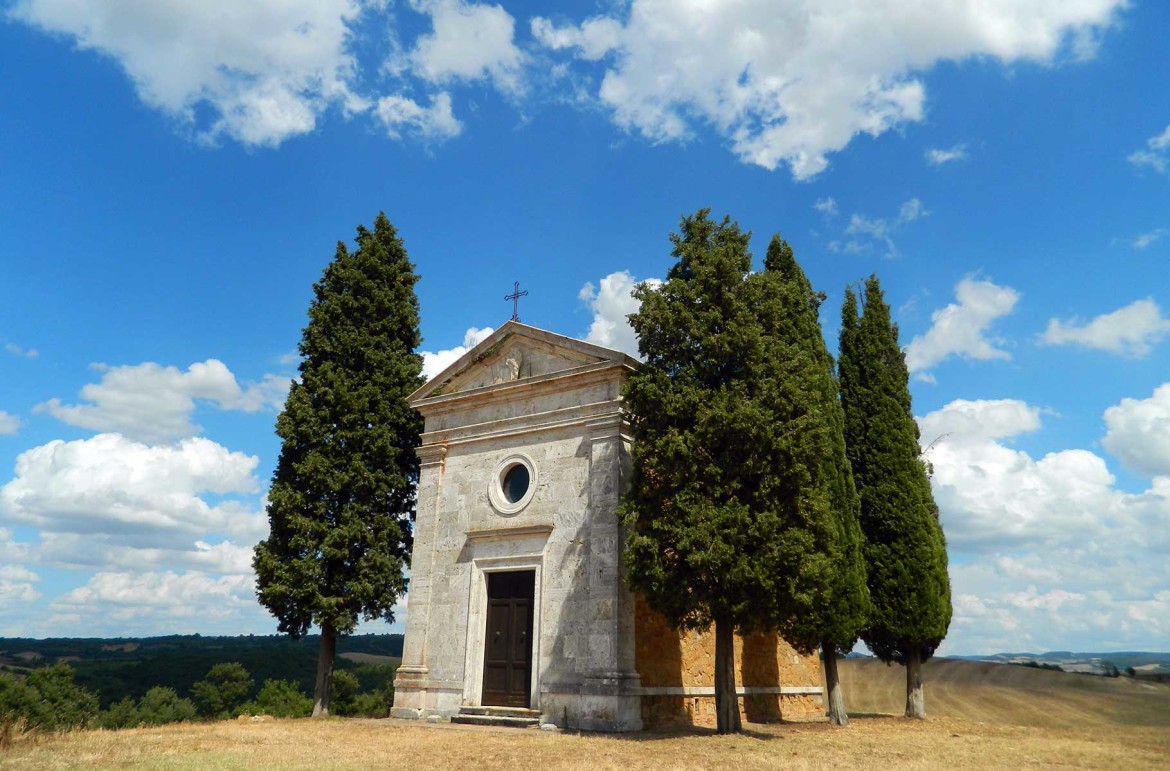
(517,596)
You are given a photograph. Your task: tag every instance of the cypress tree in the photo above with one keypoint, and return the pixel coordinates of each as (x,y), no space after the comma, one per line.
(817,474)
(904,546)
(343,492)
(732,506)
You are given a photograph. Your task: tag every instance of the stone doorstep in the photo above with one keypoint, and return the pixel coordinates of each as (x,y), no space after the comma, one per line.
(511,717)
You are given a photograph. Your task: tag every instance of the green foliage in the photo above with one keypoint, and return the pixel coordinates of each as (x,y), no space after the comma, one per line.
(343,491)
(162,705)
(370,705)
(824,600)
(159,706)
(905,549)
(47,699)
(223,690)
(279,698)
(120,714)
(345,692)
(740,492)
(179,661)
(699,434)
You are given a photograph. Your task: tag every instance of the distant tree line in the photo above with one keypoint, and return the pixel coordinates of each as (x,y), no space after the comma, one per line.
(50,699)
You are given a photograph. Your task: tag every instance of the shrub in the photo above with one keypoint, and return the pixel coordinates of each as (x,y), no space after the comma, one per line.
(47,699)
(223,690)
(121,714)
(369,704)
(344,692)
(162,705)
(279,698)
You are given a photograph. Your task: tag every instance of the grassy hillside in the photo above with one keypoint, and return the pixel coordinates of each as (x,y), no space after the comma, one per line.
(885,743)
(981,715)
(1008,695)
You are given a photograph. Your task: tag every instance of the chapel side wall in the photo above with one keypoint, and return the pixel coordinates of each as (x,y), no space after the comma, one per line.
(677,670)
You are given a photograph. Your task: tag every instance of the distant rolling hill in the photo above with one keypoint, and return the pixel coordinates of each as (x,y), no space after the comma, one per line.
(1007,694)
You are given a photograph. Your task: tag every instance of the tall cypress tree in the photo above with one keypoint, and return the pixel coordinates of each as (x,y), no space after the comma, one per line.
(344,488)
(810,415)
(905,549)
(731,508)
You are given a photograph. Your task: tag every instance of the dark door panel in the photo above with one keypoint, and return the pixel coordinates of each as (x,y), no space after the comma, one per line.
(507,659)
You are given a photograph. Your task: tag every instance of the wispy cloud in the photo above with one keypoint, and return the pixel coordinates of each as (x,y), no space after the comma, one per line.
(1145,239)
(826,205)
(1156,153)
(937,156)
(865,233)
(16,350)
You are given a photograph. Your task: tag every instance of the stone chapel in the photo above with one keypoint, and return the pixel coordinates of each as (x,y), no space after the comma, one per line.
(517,597)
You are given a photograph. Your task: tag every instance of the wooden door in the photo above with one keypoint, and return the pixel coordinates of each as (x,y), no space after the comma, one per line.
(507,657)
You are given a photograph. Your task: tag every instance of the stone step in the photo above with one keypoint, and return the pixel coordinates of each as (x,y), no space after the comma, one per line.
(512,717)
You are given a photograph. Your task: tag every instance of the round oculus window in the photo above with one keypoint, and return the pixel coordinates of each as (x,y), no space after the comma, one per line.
(513,484)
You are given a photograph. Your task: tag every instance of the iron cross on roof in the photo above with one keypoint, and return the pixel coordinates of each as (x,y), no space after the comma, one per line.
(515,298)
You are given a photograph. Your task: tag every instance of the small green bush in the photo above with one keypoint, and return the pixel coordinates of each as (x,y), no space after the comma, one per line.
(47,699)
(162,705)
(120,714)
(279,698)
(223,690)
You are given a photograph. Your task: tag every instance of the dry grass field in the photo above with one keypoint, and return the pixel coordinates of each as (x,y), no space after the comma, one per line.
(1004,694)
(981,718)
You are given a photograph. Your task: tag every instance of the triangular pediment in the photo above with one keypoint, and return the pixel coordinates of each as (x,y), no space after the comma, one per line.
(513,353)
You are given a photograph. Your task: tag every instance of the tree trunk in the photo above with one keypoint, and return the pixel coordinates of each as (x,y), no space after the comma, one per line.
(324,671)
(726,700)
(915,697)
(834,695)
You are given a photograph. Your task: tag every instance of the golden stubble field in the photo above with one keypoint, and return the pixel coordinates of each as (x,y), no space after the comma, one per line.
(980,719)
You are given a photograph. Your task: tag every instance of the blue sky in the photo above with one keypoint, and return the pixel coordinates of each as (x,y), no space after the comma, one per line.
(175,179)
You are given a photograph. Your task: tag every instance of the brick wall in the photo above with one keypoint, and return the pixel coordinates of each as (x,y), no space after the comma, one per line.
(671,659)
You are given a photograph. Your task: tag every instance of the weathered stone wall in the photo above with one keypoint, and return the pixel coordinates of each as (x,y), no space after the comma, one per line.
(677,672)
(553,405)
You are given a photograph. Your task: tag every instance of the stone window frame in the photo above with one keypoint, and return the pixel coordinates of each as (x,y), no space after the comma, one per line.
(496,495)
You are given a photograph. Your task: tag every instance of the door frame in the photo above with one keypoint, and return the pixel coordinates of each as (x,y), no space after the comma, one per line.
(477,624)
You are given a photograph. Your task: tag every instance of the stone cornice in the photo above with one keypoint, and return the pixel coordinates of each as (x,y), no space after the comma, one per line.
(606,416)
(502,533)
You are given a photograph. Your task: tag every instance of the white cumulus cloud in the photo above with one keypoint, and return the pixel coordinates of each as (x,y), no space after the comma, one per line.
(961,328)
(1129,331)
(1138,432)
(611,303)
(431,124)
(127,603)
(435,362)
(791,82)
(591,40)
(1156,153)
(469,41)
(267,69)
(17,585)
(111,488)
(152,403)
(1047,553)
